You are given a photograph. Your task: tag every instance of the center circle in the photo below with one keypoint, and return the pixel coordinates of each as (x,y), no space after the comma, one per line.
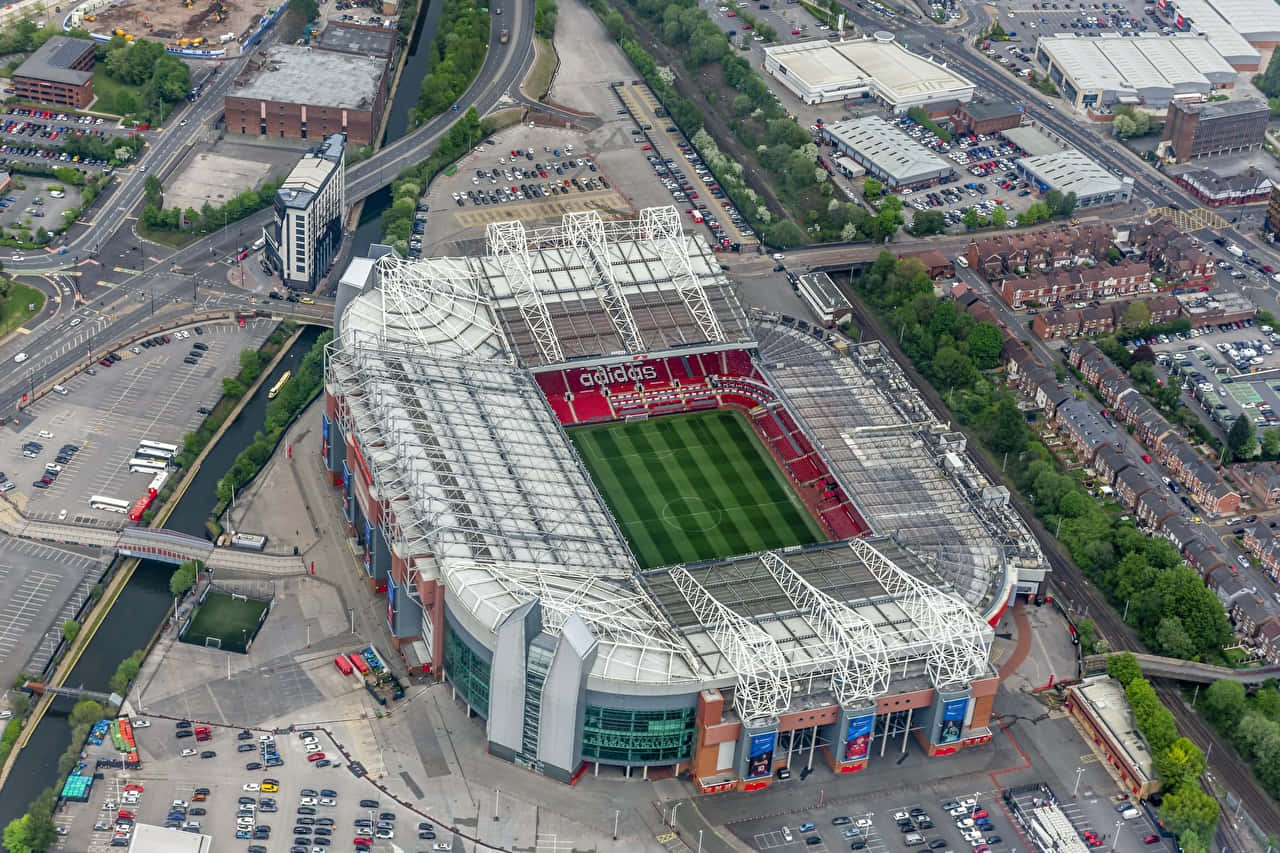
(692,515)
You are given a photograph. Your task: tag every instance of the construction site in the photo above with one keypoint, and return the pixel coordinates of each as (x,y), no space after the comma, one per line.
(194,24)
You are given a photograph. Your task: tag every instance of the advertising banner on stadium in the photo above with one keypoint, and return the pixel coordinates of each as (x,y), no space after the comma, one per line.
(858,739)
(952,720)
(760,755)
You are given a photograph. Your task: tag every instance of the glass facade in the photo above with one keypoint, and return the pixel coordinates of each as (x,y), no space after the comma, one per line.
(537,665)
(467,671)
(638,737)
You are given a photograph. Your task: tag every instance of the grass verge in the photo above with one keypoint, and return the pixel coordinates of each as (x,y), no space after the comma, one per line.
(172,239)
(13,308)
(537,83)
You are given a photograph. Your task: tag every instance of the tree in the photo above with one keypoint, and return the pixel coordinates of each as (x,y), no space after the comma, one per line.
(86,712)
(1172,639)
(1124,668)
(1271,442)
(972,219)
(1008,427)
(999,217)
(953,367)
(70,629)
(1182,763)
(17,835)
(872,189)
(1137,315)
(1224,704)
(985,343)
(1240,440)
(1114,255)
(1188,809)
(927,222)
(784,234)
(183,578)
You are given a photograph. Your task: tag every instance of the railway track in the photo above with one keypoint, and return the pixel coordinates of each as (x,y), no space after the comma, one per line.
(1227,767)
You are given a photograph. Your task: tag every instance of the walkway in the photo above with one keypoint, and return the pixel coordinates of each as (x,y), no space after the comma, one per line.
(1185,670)
(1022,647)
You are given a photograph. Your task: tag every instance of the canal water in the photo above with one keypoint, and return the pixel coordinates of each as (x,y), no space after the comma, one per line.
(143,604)
(369,229)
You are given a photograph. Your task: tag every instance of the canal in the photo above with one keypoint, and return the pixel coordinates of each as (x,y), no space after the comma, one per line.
(143,604)
(405,98)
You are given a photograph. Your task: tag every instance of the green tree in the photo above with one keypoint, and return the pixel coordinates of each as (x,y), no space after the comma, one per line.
(1268,82)
(872,189)
(927,222)
(1188,809)
(972,219)
(1008,427)
(999,217)
(953,368)
(86,712)
(1124,668)
(153,190)
(70,630)
(984,343)
(17,835)
(183,578)
(1182,763)
(1223,704)
(1172,639)
(1271,442)
(232,387)
(784,234)
(1240,439)
(1137,314)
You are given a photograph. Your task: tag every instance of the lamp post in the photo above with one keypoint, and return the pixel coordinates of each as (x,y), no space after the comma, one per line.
(1079,773)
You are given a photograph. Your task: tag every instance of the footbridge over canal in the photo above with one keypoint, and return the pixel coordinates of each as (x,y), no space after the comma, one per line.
(167,546)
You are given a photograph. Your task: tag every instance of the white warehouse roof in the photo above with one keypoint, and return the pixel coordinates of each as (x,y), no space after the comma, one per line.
(1224,37)
(1071,171)
(1256,20)
(1152,68)
(886,149)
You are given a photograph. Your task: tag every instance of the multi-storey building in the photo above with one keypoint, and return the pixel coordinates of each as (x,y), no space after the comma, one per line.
(303,239)
(59,72)
(1193,131)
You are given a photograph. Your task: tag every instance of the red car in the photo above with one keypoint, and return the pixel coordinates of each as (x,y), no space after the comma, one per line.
(315,756)
(125,813)
(1146,459)
(795,32)
(362,839)
(981,813)
(133,786)
(1151,839)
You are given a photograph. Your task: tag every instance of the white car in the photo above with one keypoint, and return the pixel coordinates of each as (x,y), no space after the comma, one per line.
(778,256)
(20,357)
(384,834)
(901,816)
(44,433)
(75,321)
(250,786)
(138,724)
(313,747)
(54,467)
(968,803)
(188,752)
(863,822)
(307,801)
(328,801)
(180,804)
(62,516)
(958,811)
(16,258)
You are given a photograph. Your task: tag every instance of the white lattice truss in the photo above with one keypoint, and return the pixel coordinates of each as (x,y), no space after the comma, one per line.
(430,296)
(509,246)
(763,685)
(959,643)
(857,649)
(661,226)
(613,606)
(584,233)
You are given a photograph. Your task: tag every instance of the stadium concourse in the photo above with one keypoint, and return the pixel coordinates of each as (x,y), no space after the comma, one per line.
(511,570)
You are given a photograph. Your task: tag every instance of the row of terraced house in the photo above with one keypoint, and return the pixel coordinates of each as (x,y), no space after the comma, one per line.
(1057,267)
(1101,445)
(1187,466)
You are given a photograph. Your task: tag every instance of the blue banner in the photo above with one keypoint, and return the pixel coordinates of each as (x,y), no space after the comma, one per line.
(952,720)
(324,425)
(760,754)
(858,738)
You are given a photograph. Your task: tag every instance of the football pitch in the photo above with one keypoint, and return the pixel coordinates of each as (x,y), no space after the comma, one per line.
(693,487)
(231,621)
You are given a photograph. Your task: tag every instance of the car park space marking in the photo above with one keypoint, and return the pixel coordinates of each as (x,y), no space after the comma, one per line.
(774,840)
(603,200)
(552,844)
(23,606)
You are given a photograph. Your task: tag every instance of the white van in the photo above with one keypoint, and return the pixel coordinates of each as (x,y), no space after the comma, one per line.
(786,835)
(59,389)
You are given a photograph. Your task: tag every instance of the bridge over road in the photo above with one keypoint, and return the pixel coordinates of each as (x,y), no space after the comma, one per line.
(1185,670)
(167,546)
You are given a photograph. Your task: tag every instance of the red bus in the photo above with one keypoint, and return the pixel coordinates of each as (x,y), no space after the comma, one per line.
(359,662)
(343,665)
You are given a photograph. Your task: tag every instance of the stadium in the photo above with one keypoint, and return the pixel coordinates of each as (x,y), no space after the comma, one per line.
(636,526)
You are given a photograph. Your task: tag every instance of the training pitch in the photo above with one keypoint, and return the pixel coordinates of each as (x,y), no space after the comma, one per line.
(233,622)
(686,488)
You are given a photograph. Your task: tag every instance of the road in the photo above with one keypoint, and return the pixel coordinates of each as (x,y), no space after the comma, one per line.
(144,281)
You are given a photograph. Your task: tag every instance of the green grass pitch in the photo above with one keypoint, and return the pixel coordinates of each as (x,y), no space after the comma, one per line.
(232,620)
(693,487)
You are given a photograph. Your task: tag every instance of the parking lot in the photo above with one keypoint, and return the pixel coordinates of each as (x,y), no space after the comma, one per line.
(297,806)
(1225,389)
(1025,20)
(37,583)
(153,393)
(29,201)
(919,825)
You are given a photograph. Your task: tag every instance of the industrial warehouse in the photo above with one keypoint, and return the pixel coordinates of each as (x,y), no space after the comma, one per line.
(876,67)
(462,395)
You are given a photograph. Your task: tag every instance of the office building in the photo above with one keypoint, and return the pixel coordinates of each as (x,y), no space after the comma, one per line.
(1193,131)
(303,240)
(59,72)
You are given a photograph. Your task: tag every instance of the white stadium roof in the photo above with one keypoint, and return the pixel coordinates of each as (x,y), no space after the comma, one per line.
(478,474)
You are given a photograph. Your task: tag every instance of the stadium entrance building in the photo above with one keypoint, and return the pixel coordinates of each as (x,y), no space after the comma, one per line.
(452,385)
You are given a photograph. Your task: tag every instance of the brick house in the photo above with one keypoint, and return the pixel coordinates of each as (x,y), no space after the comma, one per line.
(1131,484)
(1203,557)
(1180,532)
(1111,385)
(1154,507)
(1056,325)
(1262,479)
(1269,640)
(1084,429)
(1109,462)
(1097,320)
(1248,613)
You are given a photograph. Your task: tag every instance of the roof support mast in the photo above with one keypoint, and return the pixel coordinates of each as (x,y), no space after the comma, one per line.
(961,642)
(763,689)
(509,246)
(584,232)
(661,226)
(861,659)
